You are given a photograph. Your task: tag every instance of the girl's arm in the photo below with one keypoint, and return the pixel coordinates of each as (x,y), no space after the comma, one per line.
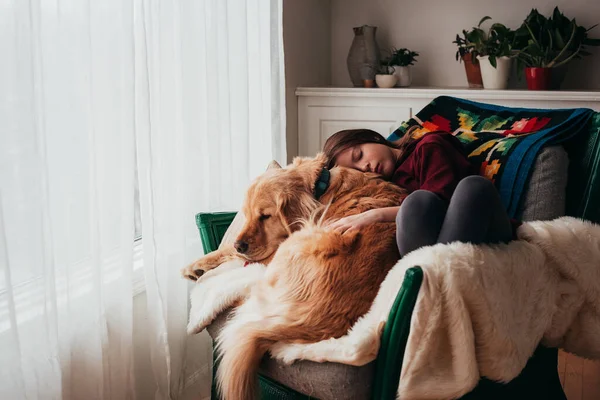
(353,222)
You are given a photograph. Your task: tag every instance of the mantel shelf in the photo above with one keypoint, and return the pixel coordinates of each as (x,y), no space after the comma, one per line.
(428,92)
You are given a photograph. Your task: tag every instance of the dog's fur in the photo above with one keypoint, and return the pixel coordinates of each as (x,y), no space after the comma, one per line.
(318,282)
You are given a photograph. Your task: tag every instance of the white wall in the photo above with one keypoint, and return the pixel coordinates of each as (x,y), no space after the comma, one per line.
(429,26)
(307,47)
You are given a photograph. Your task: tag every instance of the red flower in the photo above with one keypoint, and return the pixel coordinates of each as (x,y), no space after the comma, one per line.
(527,126)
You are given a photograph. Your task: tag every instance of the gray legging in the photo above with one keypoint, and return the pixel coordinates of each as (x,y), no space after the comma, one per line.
(475,215)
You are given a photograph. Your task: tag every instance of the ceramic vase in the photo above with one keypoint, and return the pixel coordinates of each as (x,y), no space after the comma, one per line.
(363,51)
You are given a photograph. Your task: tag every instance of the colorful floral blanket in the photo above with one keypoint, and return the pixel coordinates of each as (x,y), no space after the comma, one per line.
(504,141)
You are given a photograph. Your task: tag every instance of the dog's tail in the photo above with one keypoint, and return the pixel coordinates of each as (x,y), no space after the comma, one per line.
(242,346)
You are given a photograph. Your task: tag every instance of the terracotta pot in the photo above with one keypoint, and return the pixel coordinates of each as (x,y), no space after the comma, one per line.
(369,83)
(473,71)
(538,78)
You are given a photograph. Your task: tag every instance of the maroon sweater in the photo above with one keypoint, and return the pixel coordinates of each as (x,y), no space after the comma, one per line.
(436,162)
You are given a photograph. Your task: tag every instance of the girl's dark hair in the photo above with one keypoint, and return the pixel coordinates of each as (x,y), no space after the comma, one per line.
(345,139)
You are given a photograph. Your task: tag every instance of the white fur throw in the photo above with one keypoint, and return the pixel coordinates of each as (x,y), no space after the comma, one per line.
(481,310)
(219,289)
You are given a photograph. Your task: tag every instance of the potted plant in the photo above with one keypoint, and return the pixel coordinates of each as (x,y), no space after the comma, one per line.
(494,51)
(401,60)
(385,77)
(546,45)
(467,53)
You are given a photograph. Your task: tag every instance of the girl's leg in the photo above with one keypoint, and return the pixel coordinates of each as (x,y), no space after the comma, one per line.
(419,221)
(476,214)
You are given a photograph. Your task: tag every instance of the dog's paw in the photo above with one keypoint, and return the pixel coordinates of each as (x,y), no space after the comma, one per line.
(204,307)
(198,268)
(201,318)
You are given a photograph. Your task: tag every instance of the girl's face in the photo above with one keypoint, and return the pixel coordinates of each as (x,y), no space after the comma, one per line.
(369,157)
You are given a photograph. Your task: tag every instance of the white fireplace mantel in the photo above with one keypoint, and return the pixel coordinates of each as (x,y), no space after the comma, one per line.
(324,111)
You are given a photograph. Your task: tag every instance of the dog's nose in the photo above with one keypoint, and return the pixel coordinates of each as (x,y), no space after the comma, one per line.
(241,246)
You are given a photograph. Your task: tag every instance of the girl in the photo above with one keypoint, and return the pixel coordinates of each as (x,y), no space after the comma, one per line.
(447,201)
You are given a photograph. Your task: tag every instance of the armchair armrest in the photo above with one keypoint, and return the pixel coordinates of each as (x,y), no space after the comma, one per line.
(395,336)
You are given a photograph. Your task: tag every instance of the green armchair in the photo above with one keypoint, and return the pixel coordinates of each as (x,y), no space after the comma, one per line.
(565,180)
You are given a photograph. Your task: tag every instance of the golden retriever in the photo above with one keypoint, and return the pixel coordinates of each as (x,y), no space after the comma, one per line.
(318,282)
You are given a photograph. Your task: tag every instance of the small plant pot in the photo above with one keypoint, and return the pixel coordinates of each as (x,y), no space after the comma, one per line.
(495,78)
(386,81)
(473,71)
(403,74)
(538,78)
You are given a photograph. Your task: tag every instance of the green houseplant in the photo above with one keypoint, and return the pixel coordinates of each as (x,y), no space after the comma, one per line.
(494,50)
(546,45)
(401,60)
(403,57)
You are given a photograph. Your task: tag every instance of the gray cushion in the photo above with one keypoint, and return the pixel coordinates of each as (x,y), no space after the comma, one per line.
(324,381)
(544,198)
(545,195)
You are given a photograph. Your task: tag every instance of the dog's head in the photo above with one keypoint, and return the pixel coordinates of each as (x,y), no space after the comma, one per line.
(275,202)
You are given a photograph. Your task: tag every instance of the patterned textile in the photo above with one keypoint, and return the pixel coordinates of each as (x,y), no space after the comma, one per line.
(503,141)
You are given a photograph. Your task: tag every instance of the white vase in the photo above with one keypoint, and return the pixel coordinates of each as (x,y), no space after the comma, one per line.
(386,81)
(495,78)
(403,74)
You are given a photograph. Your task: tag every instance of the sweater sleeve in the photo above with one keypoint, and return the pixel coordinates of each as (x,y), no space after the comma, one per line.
(439,166)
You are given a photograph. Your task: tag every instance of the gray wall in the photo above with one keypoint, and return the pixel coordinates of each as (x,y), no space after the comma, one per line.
(429,26)
(307,47)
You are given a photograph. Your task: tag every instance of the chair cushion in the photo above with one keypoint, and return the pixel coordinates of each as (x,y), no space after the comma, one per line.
(320,380)
(233,230)
(545,195)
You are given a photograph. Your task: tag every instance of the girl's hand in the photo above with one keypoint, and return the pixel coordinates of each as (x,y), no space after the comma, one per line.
(354,222)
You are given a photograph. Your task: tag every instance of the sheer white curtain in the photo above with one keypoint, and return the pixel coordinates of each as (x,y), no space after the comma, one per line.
(66,199)
(211,74)
(188,95)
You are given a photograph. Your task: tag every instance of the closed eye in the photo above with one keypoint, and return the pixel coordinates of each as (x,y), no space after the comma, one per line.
(356,154)
(264,217)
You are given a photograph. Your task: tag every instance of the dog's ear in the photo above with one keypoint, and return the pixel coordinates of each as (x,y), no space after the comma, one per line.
(350,240)
(295,209)
(274,165)
(309,169)
(282,202)
(336,244)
